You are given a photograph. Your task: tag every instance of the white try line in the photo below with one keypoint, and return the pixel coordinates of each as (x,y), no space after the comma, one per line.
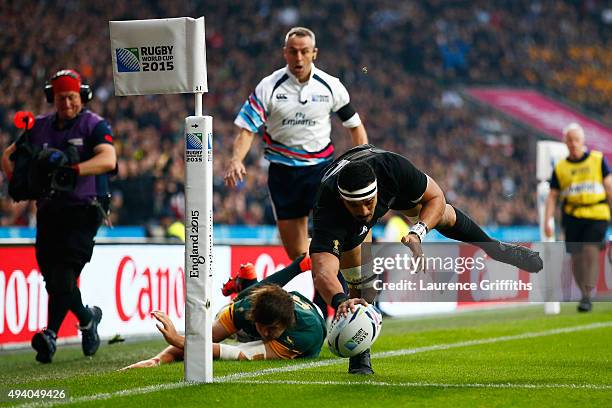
(240,377)
(430,384)
(404,352)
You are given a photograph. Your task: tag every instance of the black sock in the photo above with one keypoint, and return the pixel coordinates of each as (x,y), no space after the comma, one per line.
(244,284)
(79,310)
(59,303)
(466,230)
(284,276)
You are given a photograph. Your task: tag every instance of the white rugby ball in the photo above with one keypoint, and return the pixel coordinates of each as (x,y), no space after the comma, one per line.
(355,333)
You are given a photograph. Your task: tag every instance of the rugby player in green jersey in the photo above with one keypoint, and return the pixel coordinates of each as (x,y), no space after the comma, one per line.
(284,325)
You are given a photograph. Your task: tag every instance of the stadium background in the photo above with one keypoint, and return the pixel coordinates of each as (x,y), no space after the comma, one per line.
(406,66)
(418,56)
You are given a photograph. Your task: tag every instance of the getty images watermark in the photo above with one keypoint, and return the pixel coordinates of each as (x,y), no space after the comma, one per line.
(463,272)
(411,265)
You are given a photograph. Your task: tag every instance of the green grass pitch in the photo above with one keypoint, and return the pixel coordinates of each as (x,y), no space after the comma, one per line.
(496,358)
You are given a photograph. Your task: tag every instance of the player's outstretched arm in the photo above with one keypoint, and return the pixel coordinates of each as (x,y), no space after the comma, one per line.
(167,355)
(254,350)
(433,204)
(168,330)
(325,268)
(432,214)
(236,170)
(173,338)
(174,352)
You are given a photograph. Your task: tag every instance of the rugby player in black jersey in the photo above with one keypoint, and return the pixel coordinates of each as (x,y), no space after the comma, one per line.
(357,189)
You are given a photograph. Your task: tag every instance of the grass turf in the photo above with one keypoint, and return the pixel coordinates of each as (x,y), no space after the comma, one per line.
(557,369)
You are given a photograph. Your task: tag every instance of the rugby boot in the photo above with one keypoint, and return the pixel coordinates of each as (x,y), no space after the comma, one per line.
(361,364)
(517,255)
(305,263)
(585,305)
(229,287)
(245,277)
(90,341)
(44,344)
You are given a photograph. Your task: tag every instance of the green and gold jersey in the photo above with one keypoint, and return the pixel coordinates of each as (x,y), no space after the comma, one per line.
(303,339)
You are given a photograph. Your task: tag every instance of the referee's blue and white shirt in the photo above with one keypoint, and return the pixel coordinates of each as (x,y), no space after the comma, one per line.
(296,116)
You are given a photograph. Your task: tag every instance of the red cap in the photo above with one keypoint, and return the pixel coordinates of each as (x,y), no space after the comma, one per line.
(66,80)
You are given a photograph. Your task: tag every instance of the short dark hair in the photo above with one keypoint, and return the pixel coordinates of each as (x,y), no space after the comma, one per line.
(356,175)
(271,306)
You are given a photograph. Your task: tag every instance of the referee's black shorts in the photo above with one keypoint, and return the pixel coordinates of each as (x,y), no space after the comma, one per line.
(579,231)
(293,189)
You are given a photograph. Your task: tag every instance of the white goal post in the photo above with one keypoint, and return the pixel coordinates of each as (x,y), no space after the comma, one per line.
(168,56)
(548,154)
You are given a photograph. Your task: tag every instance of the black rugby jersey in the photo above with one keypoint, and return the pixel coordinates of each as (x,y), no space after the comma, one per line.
(400,186)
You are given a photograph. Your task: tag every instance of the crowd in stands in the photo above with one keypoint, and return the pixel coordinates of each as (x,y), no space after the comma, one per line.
(403,63)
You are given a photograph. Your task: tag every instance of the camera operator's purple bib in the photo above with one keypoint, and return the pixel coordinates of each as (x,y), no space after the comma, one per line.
(79,131)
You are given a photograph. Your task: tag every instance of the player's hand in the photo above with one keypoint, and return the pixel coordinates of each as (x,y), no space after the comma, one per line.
(413,242)
(235,173)
(167,328)
(348,305)
(151,362)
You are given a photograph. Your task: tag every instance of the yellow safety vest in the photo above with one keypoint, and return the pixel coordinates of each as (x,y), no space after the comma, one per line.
(582,189)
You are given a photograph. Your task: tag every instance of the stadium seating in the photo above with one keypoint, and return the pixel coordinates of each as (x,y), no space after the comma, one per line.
(417,54)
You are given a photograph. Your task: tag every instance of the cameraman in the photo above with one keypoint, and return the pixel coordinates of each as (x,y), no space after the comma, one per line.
(76,156)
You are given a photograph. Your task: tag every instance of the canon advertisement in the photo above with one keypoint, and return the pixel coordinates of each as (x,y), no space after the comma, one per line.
(130,281)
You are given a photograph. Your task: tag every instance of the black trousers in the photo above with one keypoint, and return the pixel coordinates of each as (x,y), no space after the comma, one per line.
(64,243)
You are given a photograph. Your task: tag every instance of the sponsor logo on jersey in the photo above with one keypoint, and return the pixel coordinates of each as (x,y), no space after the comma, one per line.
(319,98)
(580,171)
(336,248)
(299,119)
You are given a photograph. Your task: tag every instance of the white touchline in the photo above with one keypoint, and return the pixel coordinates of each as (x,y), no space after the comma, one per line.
(403,352)
(431,384)
(323,363)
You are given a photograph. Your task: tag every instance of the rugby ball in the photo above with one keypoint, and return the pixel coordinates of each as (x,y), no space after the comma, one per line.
(355,333)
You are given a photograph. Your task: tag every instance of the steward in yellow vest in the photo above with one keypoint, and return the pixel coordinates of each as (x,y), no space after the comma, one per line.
(584,184)
(580,183)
